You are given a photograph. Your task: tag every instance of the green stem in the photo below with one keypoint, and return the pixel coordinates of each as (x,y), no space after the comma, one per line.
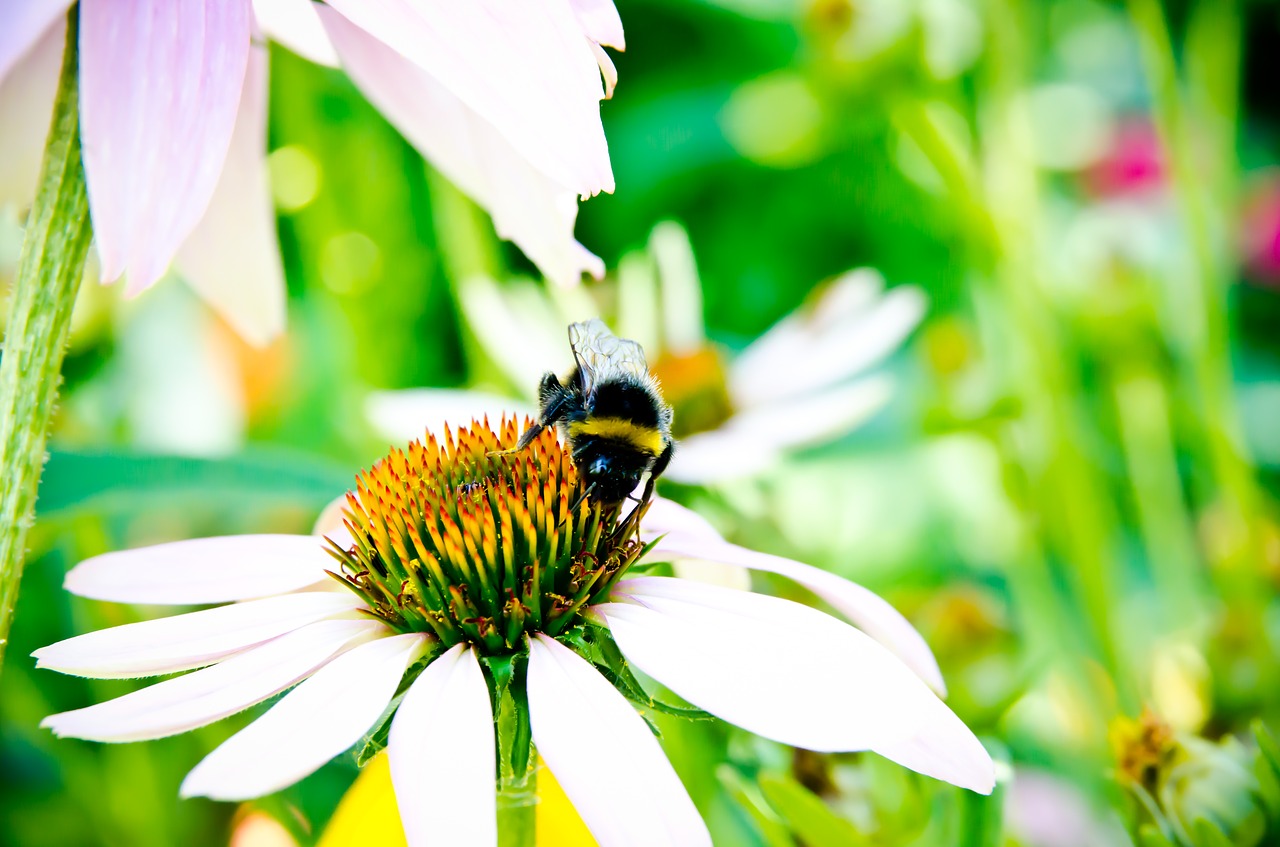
(49,273)
(518,808)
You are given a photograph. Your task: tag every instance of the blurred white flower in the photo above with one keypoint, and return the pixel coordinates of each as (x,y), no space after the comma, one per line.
(779,669)
(503,98)
(804,382)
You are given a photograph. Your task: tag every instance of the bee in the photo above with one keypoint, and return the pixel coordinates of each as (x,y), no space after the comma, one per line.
(609,411)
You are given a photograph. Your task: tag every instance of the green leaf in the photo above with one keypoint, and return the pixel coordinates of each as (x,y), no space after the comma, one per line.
(119,482)
(807,816)
(1207,834)
(1149,835)
(772,830)
(1268,747)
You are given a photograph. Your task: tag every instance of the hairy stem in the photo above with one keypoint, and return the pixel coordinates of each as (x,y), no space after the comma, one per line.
(49,273)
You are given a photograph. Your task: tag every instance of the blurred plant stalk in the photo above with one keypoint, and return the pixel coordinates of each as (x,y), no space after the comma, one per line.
(1075,533)
(35,340)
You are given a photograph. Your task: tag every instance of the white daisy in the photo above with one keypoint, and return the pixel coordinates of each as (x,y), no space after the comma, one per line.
(458,561)
(806,381)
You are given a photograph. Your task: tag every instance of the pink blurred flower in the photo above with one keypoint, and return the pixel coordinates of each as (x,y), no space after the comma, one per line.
(503,98)
(1260,231)
(1134,162)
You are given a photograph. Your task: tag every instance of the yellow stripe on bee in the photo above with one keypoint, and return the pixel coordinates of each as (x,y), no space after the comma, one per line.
(645,438)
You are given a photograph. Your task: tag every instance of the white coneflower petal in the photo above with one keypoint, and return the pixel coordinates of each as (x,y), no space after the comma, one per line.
(600,22)
(153,152)
(204,570)
(531,209)
(686,534)
(718,455)
(945,749)
(640,801)
(316,721)
(526,68)
(813,418)
(295,24)
(402,414)
(27,21)
(808,351)
(244,285)
(771,666)
(204,696)
(183,642)
(442,754)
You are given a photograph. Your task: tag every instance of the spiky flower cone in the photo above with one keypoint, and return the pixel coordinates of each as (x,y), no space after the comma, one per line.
(464,539)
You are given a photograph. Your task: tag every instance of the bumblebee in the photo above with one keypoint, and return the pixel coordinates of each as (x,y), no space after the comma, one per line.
(609,411)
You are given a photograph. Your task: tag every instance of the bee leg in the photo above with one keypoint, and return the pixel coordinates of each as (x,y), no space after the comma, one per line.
(552,400)
(659,465)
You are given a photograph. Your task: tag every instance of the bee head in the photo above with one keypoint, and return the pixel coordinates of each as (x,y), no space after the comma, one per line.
(613,470)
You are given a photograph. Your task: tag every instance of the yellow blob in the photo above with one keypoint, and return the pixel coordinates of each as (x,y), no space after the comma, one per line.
(368,813)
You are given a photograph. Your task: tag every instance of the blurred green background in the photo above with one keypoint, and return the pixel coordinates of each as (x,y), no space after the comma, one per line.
(1072,493)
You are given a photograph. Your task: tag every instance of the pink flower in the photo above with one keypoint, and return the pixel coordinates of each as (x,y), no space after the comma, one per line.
(503,98)
(1134,162)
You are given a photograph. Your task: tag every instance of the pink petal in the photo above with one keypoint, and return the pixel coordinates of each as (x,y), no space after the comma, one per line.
(232,258)
(600,22)
(792,674)
(204,696)
(868,610)
(22,23)
(625,790)
(204,570)
(159,85)
(193,640)
(314,722)
(525,68)
(531,209)
(446,717)
(26,109)
(295,24)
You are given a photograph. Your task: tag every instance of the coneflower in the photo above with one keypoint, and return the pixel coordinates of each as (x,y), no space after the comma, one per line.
(478,606)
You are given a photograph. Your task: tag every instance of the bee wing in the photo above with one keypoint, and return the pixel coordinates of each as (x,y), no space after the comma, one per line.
(600,353)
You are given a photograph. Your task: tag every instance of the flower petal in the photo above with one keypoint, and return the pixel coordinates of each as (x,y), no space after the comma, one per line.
(851,328)
(813,418)
(872,613)
(159,85)
(295,24)
(600,22)
(244,283)
(204,696)
(531,209)
(22,23)
(446,717)
(26,109)
(523,67)
(407,414)
(717,456)
(639,800)
(183,642)
(310,725)
(790,673)
(203,570)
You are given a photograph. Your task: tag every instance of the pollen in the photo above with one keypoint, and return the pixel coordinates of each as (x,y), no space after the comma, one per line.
(466,539)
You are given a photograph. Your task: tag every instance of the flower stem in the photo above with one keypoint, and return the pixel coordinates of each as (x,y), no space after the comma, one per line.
(518,808)
(49,273)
